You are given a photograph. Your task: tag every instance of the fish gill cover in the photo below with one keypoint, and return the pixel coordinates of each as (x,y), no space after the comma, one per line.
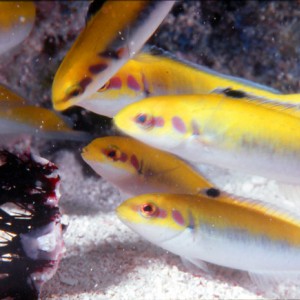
(30,229)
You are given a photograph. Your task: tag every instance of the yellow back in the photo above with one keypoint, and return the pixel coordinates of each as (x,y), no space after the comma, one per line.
(225,213)
(154,166)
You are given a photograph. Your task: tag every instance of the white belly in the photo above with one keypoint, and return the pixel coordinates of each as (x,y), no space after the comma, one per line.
(234,249)
(284,167)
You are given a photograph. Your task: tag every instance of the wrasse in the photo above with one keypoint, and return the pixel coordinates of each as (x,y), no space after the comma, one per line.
(10,97)
(113,35)
(16,21)
(219,130)
(136,168)
(155,72)
(241,234)
(17,117)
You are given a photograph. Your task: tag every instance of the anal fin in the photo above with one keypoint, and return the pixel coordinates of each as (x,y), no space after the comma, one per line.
(196,266)
(277,284)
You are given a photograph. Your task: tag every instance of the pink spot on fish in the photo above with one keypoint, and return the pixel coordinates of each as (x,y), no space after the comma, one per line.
(134,161)
(132,83)
(159,122)
(115,83)
(177,217)
(178,124)
(123,157)
(95,69)
(162,213)
(85,82)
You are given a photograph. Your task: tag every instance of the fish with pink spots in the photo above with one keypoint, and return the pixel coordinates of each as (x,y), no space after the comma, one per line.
(241,234)
(135,168)
(236,134)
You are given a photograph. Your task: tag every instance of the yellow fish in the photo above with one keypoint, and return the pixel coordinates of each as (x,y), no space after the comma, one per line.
(135,168)
(113,35)
(219,130)
(16,21)
(227,231)
(17,117)
(10,97)
(155,72)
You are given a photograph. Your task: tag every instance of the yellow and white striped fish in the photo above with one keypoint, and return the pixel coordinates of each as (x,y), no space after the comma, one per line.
(155,72)
(254,138)
(135,168)
(227,231)
(114,34)
(17,117)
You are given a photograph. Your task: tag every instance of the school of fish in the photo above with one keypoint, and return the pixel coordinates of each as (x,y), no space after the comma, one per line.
(174,115)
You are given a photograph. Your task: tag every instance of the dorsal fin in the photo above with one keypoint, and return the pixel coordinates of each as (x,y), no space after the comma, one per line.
(164,54)
(292,109)
(156,51)
(268,207)
(94,7)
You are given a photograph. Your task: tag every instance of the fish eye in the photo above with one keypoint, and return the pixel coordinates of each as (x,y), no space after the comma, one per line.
(113,152)
(148,210)
(75,90)
(104,87)
(145,121)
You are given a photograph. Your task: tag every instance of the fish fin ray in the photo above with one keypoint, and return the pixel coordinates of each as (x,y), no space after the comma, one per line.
(164,54)
(272,282)
(196,266)
(290,105)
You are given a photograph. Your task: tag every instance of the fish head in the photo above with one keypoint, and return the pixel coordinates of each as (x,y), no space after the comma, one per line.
(128,85)
(95,57)
(152,122)
(72,83)
(151,216)
(111,158)
(92,59)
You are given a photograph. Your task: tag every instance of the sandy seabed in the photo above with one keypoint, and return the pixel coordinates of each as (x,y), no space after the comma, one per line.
(106,260)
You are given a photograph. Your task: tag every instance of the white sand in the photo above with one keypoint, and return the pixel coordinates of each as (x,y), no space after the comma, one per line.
(106,260)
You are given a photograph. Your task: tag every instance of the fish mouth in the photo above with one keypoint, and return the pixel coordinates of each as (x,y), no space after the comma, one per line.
(85,153)
(61,105)
(120,211)
(123,212)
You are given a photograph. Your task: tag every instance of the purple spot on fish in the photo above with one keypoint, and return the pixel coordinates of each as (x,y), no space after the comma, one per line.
(123,157)
(85,82)
(159,122)
(178,124)
(95,69)
(177,217)
(115,83)
(134,161)
(162,213)
(132,83)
